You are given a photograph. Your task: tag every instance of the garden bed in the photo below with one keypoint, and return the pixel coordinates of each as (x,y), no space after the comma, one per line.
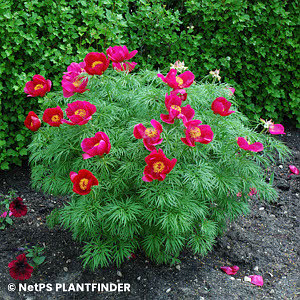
(265,242)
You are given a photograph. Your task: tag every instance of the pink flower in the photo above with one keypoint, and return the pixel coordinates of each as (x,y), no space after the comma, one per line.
(79,112)
(232,90)
(150,136)
(221,107)
(158,165)
(294,170)
(75,68)
(230,270)
(257,280)
(181,81)
(181,93)
(73,83)
(255,147)
(253,191)
(276,129)
(124,66)
(38,86)
(173,105)
(4,215)
(96,63)
(118,54)
(239,194)
(97,145)
(197,133)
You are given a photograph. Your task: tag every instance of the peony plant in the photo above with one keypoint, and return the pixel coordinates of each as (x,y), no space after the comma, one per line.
(143,170)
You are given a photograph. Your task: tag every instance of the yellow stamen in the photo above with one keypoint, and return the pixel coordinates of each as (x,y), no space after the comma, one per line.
(55,118)
(38,86)
(176,107)
(195,132)
(77,83)
(95,63)
(179,80)
(83,183)
(81,112)
(151,132)
(158,167)
(97,144)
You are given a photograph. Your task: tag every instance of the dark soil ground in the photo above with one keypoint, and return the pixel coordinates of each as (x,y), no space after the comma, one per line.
(265,242)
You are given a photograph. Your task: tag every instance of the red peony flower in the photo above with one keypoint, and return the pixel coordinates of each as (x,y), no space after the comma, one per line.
(173,105)
(53,116)
(32,121)
(181,93)
(17,207)
(79,112)
(73,83)
(181,81)
(118,54)
(197,133)
(96,63)
(124,66)
(83,181)
(150,136)
(230,270)
(97,145)
(38,86)
(255,147)
(221,106)
(20,269)
(158,165)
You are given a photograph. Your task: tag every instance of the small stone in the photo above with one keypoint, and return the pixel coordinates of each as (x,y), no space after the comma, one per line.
(255,268)
(118,280)
(196,280)
(228,247)
(261,208)
(281,166)
(239,279)
(65,269)
(195,257)
(272,216)
(168,290)
(178,267)
(271,274)
(232,278)
(139,278)
(119,273)
(247,279)
(68,261)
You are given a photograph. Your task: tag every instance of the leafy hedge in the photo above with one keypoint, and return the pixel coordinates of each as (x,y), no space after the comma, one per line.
(254,45)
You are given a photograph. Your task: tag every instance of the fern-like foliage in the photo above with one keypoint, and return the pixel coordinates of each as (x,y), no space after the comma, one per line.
(189,208)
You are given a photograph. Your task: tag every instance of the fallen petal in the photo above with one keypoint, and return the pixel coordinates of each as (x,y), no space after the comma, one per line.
(257,280)
(230,270)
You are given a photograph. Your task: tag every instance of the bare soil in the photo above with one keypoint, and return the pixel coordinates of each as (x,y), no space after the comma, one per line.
(265,242)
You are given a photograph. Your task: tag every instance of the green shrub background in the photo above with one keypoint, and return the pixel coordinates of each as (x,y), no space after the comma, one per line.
(253,43)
